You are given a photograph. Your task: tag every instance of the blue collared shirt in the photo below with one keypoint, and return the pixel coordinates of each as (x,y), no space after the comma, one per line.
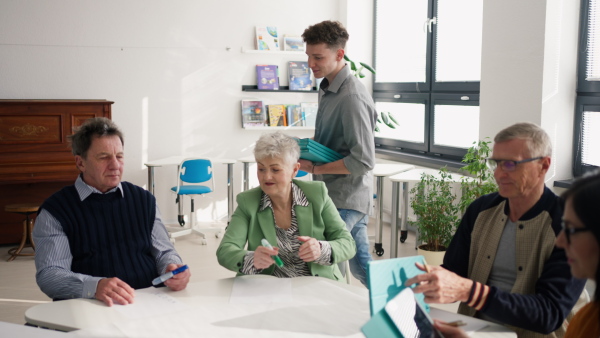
(53,256)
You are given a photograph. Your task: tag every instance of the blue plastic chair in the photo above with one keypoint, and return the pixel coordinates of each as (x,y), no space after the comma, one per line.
(301,173)
(192,178)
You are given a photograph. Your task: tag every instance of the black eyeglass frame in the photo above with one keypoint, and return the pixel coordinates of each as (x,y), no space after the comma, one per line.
(492,163)
(570,231)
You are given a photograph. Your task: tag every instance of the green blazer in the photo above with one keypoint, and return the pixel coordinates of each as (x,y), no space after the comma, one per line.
(320,220)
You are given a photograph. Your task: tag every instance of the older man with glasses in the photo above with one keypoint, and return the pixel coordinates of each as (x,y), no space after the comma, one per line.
(502,264)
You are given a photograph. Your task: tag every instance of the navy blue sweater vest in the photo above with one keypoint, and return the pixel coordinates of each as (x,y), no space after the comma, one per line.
(109,236)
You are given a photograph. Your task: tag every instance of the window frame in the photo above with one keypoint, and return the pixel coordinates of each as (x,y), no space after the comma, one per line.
(588,94)
(427,92)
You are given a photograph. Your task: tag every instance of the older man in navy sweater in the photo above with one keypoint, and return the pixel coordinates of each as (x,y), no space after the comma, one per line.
(101,237)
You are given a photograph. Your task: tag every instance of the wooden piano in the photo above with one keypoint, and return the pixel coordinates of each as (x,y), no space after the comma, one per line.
(35,156)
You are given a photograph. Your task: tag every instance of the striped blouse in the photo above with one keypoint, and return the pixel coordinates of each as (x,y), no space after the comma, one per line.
(288,243)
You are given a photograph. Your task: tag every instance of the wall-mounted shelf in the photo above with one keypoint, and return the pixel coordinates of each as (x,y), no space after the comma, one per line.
(274,52)
(279,128)
(282,89)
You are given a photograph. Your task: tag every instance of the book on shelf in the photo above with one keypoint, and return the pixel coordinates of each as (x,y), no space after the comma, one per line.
(293,43)
(277,115)
(267,77)
(267,38)
(294,115)
(309,113)
(299,75)
(253,113)
(316,152)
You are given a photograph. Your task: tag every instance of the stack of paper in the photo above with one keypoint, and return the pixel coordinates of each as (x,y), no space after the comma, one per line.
(316,152)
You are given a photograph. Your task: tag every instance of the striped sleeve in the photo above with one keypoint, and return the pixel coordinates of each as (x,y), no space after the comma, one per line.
(478,296)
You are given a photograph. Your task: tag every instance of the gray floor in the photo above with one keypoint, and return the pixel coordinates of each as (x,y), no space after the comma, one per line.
(18,290)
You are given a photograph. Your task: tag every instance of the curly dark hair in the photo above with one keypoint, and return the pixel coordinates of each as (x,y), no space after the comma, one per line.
(81,140)
(332,33)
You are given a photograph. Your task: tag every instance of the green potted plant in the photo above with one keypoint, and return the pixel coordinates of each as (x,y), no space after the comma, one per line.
(437,208)
(482,180)
(437,213)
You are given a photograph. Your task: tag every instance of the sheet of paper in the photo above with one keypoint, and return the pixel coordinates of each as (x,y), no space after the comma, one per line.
(261,290)
(151,302)
(473,324)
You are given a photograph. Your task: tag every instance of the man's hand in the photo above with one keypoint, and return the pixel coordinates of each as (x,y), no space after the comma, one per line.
(310,250)
(111,290)
(262,257)
(306,165)
(180,280)
(440,285)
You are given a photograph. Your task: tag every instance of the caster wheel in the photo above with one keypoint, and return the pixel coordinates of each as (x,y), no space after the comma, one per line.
(218,235)
(403,235)
(172,240)
(379,249)
(203,241)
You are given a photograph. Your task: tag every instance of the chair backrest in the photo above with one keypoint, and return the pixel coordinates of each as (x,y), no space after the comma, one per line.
(301,173)
(194,171)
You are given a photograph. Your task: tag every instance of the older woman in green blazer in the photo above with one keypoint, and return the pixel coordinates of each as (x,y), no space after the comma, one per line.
(296,217)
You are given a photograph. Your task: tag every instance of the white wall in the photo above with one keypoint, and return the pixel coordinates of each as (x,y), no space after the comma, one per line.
(529,71)
(173,68)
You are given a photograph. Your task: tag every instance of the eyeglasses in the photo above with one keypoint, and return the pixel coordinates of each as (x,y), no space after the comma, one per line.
(570,231)
(508,165)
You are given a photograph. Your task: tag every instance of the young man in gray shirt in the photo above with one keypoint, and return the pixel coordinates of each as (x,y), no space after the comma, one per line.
(345,123)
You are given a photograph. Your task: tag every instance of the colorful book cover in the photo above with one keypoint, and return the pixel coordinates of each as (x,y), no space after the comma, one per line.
(277,115)
(267,38)
(294,115)
(253,113)
(299,75)
(267,77)
(293,43)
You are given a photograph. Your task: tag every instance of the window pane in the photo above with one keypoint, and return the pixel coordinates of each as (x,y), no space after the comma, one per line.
(410,117)
(590,138)
(401,42)
(458,41)
(593,47)
(456,126)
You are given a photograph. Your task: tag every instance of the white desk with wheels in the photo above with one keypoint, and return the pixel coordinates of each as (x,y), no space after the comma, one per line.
(410,176)
(381,171)
(175,160)
(318,307)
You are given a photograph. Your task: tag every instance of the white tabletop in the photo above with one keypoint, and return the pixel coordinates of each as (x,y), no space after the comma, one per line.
(247,159)
(388,169)
(177,160)
(318,307)
(414,175)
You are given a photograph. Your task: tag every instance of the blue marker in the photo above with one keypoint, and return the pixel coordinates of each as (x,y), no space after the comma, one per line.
(166,276)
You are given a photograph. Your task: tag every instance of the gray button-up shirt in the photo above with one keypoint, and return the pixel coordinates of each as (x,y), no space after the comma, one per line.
(345,123)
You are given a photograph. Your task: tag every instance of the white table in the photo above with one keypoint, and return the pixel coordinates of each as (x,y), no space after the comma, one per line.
(410,176)
(245,172)
(318,307)
(381,171)
(176,160)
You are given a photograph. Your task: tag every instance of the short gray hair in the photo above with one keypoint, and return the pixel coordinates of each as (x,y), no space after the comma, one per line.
(277,145)
(538,141)
(81,140)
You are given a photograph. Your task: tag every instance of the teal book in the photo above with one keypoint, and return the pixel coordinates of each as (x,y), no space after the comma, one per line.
(316,152)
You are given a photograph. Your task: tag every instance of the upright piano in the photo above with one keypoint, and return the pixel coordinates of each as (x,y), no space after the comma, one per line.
(35,156)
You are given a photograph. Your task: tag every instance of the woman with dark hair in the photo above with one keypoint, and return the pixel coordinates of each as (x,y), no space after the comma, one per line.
(580,239)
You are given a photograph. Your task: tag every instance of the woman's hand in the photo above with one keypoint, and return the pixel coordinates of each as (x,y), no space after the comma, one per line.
(310,250)
(262,257)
